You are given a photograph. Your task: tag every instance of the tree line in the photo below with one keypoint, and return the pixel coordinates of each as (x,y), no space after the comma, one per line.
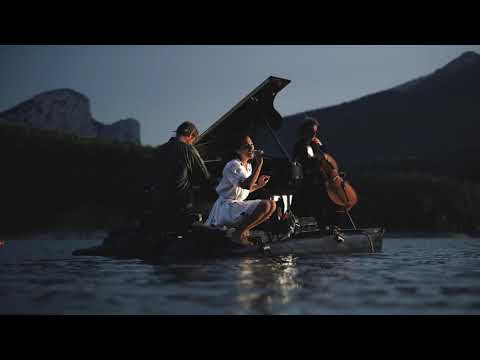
(49,179)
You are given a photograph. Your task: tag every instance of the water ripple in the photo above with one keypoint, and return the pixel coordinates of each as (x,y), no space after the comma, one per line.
(411,276)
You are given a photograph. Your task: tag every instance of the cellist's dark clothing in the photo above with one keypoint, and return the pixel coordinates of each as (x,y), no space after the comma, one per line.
(180,167)
(311,198)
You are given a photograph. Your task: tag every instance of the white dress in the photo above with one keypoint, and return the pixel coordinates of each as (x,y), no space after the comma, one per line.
(231,206)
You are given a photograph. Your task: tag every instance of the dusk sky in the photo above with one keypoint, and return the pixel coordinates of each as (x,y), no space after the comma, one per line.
(161,86)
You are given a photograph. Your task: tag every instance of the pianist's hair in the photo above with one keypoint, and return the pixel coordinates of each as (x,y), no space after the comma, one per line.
(186,129)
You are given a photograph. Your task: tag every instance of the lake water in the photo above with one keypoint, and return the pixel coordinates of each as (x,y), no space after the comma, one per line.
(411,276)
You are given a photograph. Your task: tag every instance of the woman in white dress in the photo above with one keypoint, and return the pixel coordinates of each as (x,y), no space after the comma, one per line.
(239,180)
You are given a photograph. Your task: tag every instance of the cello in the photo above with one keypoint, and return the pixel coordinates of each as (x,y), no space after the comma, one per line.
(340,192)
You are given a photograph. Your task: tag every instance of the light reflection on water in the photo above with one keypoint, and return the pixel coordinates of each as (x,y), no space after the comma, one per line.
(411,276)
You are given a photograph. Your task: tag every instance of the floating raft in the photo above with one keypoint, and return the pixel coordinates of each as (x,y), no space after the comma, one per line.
(205,242)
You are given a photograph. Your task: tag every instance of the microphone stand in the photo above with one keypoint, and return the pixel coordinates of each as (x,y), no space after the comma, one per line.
(292,163)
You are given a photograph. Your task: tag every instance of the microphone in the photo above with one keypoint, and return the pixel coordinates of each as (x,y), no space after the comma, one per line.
(260,153)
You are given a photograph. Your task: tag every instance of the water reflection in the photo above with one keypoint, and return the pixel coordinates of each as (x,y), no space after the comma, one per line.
(256,285)
(264,283)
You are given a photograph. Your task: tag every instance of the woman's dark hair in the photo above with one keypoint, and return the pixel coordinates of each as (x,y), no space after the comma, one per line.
(238,143)
(186,129)
(309,122)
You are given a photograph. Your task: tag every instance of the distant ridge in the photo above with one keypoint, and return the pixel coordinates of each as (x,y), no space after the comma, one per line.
(68,111)
(431,117)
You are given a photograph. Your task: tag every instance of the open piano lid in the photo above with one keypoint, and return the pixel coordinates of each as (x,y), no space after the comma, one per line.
(247,117)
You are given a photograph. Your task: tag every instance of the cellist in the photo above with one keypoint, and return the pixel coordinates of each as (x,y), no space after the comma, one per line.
(311,198)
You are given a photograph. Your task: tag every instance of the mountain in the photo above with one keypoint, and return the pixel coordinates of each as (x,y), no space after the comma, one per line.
(68,111)
(127,130)
(432,118)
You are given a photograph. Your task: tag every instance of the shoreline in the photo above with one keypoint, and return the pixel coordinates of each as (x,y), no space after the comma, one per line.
(95,234)
(61,235)
(425,234)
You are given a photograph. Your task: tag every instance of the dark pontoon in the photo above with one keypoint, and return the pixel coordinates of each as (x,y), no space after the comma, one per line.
(203,242)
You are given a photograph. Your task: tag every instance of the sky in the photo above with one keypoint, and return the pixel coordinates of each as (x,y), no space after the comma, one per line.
(162,86)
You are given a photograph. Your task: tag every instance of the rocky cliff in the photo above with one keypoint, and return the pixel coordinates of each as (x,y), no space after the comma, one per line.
(68,111)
